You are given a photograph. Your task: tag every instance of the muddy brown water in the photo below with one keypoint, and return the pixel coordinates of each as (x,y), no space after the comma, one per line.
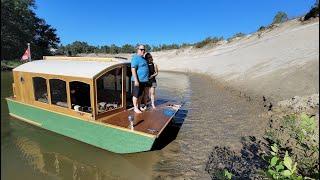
(210,116)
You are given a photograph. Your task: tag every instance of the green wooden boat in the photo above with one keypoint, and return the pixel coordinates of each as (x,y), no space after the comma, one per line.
(87,99)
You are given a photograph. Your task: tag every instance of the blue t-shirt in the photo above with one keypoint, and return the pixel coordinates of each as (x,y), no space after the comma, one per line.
(141,66)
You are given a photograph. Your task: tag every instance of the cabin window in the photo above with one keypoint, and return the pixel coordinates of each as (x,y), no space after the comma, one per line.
(109,90)
(40,89)
(80,96)
(58,92)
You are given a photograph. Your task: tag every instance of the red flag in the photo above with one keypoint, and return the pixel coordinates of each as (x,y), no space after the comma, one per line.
(26,55)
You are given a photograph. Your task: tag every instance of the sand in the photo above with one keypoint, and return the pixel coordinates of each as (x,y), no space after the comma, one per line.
(281,63)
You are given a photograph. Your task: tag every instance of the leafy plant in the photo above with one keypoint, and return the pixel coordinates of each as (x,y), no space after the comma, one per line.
(227,174)
(296,133)
(282,168)
(223,174)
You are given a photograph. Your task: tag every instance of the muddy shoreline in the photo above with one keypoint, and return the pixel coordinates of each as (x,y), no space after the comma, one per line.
(231,136)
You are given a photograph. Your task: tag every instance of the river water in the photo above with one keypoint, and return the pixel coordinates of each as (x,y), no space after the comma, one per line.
(210,116)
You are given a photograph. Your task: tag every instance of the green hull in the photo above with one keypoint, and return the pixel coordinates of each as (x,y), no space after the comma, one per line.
(105,137)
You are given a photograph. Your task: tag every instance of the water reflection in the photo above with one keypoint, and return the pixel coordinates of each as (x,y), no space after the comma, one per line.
(56,156)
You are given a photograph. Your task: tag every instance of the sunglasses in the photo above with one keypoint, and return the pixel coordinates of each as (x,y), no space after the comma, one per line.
(142,49)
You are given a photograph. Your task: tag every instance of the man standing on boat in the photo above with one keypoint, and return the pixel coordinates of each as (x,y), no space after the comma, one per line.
(140,77)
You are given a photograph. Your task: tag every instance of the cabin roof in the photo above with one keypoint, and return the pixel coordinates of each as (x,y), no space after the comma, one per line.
(83,69)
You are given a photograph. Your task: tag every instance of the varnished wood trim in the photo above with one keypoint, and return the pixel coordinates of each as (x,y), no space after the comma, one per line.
(25,120)
(14,90)
(109,113)
(94,122)
(124,82)
(93,99)
(96,93)
(62,110)
(165,125)
(68,95)
(109,69)
(48,91)
(62,77)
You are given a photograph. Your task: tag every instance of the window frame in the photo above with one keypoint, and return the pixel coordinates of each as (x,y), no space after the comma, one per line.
(66,84)
(47,88)
(123,87)
(58,109)
(69,94)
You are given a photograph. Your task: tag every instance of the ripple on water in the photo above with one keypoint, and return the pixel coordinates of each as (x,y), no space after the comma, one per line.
(215,117)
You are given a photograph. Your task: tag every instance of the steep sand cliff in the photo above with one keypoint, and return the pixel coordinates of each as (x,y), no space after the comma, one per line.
(278,63)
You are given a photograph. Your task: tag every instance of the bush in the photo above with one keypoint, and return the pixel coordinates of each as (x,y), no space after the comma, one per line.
(314,12)
(261,28)
(280,17)
(240,34)
(207,41)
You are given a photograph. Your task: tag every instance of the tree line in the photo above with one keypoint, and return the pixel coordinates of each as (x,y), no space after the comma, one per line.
(79,47)
(20,25)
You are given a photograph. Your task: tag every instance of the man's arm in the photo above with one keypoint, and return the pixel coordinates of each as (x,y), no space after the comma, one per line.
(135,77)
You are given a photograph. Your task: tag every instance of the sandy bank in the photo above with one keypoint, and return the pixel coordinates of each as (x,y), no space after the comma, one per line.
(282,63)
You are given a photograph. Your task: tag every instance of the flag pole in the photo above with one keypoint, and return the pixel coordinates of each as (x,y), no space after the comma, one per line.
(29,51)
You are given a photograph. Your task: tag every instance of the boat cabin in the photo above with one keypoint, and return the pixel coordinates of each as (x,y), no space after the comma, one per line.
(86,89)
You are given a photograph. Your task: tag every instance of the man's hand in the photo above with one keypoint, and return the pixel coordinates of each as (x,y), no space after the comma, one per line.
(136,83)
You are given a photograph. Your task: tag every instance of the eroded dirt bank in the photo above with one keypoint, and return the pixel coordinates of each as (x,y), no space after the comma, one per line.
(278,64)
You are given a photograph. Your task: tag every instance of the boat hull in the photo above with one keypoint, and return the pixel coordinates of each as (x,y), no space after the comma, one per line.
(110,138)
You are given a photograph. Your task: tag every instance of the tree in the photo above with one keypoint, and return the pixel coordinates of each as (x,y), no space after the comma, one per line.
(280,17)
(45,39)
(127,48)
(19,26)
(114,49)
(314,11)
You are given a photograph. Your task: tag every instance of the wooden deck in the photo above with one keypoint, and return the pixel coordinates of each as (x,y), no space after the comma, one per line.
(150,121)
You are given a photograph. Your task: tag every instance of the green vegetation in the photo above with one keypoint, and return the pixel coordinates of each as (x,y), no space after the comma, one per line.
(281,168)
(314,12)
(261,28)
(168,47)
(240,34)
(8,65)
(227,174)
(296,135)
(78,47)
(280,17)
(223,175)
(207,41)
(19,26)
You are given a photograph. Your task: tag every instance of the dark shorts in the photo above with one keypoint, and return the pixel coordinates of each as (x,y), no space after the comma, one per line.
(137,91)
(152,84)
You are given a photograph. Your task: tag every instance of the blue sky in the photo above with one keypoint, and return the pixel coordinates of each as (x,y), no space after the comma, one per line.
(154,22)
